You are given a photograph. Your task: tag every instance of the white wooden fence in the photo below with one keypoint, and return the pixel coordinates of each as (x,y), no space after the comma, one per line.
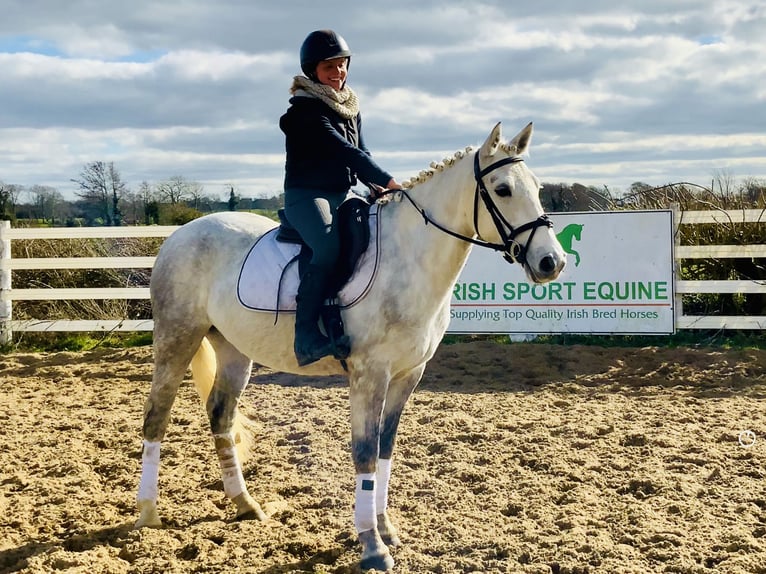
(683,287)
(9,294)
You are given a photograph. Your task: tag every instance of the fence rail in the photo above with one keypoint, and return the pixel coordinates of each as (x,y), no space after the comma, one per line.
(8,265)
(687,287)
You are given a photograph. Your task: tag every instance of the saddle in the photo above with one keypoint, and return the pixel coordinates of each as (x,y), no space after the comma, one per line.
(270,274)
(352,220)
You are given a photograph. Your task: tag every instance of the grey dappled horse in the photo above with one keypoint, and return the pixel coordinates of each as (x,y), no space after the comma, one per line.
(486,196)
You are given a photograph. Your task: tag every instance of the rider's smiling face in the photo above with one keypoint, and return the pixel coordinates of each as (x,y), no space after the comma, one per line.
(333,72)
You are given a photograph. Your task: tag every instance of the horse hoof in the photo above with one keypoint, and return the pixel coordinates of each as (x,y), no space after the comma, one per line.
(379,562)
(147,524)
(248,509)
(388,532)
(391,540)
(257,514)
(375,555)
(148,516)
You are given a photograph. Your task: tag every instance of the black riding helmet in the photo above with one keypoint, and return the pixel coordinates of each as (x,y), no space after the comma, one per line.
(322,45)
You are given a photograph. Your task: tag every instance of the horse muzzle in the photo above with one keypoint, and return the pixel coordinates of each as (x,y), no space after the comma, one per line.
(545,267)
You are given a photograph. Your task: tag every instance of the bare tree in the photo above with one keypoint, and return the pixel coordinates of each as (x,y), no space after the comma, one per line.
(149,198)
(196,191)
(48,203)
(132,207)
(177,189)
(725,181)
(145,192)
(101,186)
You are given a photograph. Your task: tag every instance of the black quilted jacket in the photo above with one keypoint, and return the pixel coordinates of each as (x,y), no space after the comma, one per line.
(324,150)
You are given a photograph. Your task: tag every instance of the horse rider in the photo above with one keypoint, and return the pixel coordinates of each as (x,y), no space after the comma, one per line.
(325,154)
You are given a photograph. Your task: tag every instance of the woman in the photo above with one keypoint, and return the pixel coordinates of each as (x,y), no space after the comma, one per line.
(325,156)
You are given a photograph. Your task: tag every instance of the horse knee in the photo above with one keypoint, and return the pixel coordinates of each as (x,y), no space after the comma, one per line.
(156,420)
(365,454)
(366,412)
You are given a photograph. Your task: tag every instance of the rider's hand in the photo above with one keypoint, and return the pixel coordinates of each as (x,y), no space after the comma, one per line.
(377,191)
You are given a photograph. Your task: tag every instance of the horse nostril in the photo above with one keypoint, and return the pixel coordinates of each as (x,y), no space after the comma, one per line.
(547,264)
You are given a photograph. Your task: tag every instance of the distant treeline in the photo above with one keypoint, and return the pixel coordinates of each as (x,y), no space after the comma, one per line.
(554,197)
(103,198)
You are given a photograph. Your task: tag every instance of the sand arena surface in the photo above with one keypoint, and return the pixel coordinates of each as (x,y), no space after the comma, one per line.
(511,458)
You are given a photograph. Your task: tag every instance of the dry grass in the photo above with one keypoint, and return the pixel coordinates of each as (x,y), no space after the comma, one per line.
(73,278)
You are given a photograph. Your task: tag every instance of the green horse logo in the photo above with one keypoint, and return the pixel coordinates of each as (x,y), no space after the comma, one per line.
(568,234)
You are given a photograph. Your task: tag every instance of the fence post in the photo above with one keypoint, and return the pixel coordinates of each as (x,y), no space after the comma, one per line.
(679,302)
(6,305)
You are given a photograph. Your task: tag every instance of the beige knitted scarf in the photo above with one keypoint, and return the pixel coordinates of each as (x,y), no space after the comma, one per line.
(344,101)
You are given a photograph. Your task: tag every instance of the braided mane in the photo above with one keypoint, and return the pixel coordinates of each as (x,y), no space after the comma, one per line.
(447,162)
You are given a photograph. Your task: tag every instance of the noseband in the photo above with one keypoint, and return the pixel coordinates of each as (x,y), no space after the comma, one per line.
(513,251)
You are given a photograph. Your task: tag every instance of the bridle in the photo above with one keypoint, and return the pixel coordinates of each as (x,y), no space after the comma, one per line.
(513,251)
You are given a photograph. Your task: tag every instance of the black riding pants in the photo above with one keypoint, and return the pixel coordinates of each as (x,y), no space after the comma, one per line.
(313,214)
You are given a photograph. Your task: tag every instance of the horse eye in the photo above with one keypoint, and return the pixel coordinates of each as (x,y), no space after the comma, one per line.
(503,190)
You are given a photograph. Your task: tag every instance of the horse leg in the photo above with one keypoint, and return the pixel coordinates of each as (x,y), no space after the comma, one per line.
(232,374)
(172,354)
(399,391)
(367,394)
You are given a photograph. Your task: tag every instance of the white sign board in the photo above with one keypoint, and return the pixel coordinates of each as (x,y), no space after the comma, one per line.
(618,279)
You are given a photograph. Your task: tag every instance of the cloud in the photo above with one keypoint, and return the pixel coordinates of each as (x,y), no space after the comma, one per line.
(619,92)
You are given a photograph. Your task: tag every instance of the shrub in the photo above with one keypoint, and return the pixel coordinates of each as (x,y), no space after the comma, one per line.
(177,214)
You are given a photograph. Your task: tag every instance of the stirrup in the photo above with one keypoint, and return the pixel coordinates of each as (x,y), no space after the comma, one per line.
(333,326)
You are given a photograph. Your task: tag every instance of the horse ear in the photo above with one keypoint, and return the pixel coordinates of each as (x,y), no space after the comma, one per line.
(490,146)
(520,143)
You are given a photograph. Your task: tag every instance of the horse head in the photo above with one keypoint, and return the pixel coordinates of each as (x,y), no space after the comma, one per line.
(514,216)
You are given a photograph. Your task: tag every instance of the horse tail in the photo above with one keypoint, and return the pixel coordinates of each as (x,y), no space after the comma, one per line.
(203,367)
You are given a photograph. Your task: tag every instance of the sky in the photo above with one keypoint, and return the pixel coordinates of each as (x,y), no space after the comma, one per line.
(651,91)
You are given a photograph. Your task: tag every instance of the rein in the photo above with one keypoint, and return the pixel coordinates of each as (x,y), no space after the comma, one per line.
(513,251)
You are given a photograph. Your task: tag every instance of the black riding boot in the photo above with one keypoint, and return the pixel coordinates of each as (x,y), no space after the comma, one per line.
(310,344)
